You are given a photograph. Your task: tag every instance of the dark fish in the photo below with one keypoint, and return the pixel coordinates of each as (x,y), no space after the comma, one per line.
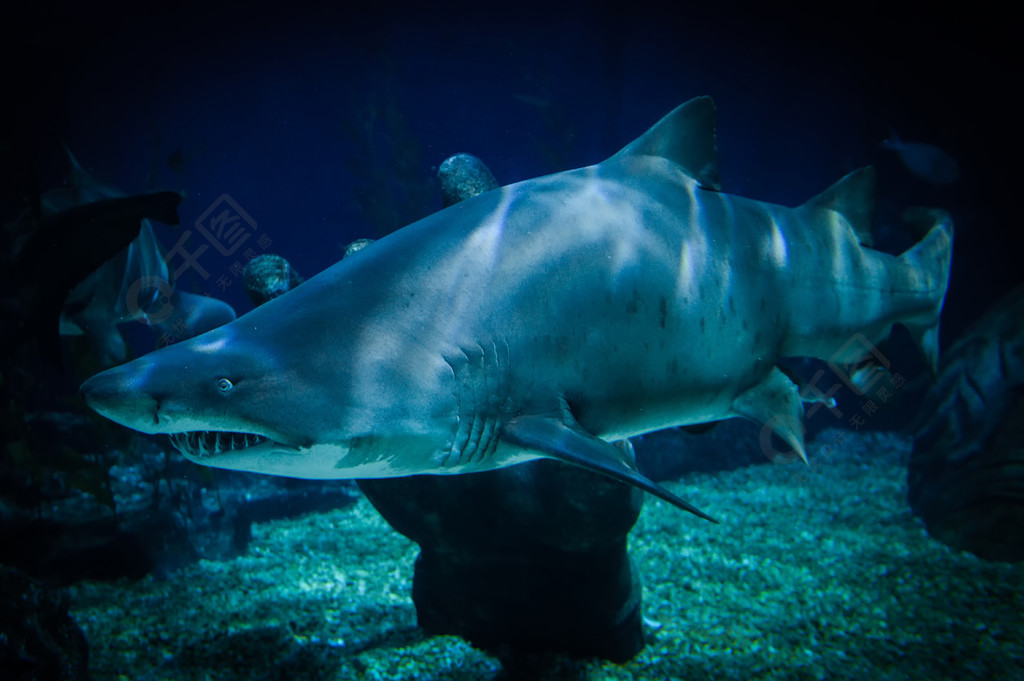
(67,247)
(926,161)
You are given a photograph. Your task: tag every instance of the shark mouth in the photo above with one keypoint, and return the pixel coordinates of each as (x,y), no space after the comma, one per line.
(199,443)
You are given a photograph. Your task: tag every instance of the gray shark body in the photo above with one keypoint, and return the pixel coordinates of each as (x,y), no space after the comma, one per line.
(543,319)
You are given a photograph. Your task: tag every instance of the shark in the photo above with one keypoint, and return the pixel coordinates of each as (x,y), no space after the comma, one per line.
(548,318)
(100,264)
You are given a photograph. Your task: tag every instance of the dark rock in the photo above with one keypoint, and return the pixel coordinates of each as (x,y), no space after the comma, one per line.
(267,276)
(521,560)
(168,513)
(966,474)
(975,504)
(356,246)
(525,560)
(464,176)
(38,639)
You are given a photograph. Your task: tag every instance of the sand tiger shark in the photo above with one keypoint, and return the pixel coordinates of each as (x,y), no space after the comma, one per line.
(546,318)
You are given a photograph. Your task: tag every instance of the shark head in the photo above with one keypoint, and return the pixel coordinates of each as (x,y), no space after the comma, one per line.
(234,398)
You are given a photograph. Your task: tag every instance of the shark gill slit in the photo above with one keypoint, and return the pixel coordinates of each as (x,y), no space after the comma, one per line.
(481,398)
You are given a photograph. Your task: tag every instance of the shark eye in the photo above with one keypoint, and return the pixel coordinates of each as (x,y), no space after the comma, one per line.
(224,385)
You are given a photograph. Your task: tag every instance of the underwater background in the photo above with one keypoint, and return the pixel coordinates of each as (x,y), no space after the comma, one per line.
(321,124)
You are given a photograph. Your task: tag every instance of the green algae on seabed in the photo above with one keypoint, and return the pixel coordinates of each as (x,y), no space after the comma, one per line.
(816,572)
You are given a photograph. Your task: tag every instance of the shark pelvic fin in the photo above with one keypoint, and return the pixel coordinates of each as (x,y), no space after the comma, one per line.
(853,197)
(685,136)
(564,440)
(776,403)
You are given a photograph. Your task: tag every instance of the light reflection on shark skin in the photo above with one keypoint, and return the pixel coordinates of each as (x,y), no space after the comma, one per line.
(546,319)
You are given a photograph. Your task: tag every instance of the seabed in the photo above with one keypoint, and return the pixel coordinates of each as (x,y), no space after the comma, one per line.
(816,572)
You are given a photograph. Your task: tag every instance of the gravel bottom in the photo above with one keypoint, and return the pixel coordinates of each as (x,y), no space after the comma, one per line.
(816,572)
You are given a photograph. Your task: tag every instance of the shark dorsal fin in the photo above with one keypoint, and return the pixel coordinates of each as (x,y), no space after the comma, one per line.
(853,197)
(685,136)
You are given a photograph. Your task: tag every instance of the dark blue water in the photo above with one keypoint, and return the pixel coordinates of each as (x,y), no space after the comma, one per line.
(305,115)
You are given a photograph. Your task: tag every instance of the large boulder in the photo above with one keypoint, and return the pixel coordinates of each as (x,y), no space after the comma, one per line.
(966,472)
(527,559)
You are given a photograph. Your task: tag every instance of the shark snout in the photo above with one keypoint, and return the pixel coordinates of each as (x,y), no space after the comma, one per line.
(118,394)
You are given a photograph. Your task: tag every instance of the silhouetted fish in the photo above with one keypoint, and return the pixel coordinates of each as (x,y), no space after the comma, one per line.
(926,161)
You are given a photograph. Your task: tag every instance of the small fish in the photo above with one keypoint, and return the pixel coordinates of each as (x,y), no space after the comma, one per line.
(926,161)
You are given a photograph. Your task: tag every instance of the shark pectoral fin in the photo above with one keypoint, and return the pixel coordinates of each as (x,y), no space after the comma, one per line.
(567,442)
(776,403)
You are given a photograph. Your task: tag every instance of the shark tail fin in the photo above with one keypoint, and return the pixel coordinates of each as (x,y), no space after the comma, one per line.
(853,197)
(928,262)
